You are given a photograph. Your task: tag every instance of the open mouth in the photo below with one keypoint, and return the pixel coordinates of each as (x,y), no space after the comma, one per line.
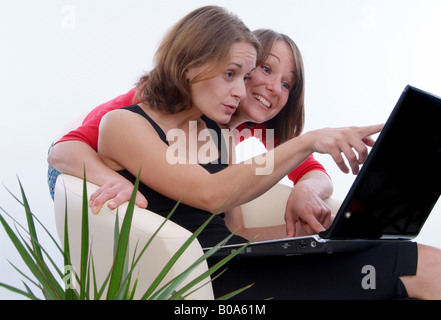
(230,109)
(263,101)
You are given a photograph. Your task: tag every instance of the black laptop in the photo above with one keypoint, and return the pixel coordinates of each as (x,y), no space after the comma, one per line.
(391,197)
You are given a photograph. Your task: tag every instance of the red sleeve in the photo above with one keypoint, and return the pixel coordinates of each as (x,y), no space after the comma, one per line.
(254,130)
(88,131)
(310,164)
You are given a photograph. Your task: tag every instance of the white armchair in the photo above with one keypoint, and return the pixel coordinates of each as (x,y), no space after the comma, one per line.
(266,210)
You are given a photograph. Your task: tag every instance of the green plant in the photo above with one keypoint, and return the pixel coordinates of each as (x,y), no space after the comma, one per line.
(51,280)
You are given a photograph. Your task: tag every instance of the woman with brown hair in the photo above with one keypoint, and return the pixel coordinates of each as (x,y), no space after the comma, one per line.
(136,136)
(280,74)
(280,71)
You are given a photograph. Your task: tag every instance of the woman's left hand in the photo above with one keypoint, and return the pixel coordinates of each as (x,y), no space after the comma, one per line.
(305,206)
(116,192)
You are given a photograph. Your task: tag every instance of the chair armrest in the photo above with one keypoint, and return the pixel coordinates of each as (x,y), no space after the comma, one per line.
(269,209)
(68,194)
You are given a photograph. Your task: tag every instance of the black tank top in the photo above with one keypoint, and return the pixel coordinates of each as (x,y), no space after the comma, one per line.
(188,217)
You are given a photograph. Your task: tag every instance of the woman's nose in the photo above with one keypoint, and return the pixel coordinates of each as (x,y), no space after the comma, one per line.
(240,90)
(275,86)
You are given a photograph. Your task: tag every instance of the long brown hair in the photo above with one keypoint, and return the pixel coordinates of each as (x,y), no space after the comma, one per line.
(289,122)
(205,35)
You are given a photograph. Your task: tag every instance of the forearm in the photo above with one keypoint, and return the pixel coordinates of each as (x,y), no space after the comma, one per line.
(319,182)
(244,182)
(72,157)
(263,233)
(234,221)
(306,204)
(126,142)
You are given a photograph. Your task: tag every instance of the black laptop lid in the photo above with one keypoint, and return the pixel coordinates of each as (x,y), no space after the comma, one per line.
(400,182)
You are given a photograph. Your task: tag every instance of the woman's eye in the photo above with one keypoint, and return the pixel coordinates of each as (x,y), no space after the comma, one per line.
(266,69)
(286,85)
(229,74)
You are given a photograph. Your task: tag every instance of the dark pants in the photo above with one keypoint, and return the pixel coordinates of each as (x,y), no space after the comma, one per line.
(369,274)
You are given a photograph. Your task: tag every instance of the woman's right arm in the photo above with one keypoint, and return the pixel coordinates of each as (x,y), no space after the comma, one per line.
(73,157)
(126,141)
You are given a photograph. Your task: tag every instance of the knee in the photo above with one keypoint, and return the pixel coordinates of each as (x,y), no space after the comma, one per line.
(429,259)
(426,284)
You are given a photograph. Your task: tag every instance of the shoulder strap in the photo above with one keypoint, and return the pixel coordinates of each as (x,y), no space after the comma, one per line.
(137,109)
(210,124)
(221,144)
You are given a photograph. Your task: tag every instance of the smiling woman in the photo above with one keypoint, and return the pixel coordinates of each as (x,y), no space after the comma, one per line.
(276,88)
(136,135)
(89,52)
(271,84)
(265,99)
(272,81)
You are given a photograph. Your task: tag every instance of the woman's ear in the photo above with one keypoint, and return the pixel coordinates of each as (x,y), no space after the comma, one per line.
(189,74)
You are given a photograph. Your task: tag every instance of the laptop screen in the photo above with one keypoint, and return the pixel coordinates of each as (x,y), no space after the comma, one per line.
(400,182)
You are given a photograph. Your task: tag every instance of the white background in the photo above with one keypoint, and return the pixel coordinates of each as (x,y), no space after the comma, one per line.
(58,59)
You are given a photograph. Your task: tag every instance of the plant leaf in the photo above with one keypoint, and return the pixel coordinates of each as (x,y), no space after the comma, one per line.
(31,225)
(210,271)
(122,247)
(27,257)
(234,293)
(24,293)
(84,240)
(70,292)
(167,289)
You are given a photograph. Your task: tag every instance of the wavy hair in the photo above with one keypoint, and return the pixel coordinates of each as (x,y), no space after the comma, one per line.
(289,122)
(205,35)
